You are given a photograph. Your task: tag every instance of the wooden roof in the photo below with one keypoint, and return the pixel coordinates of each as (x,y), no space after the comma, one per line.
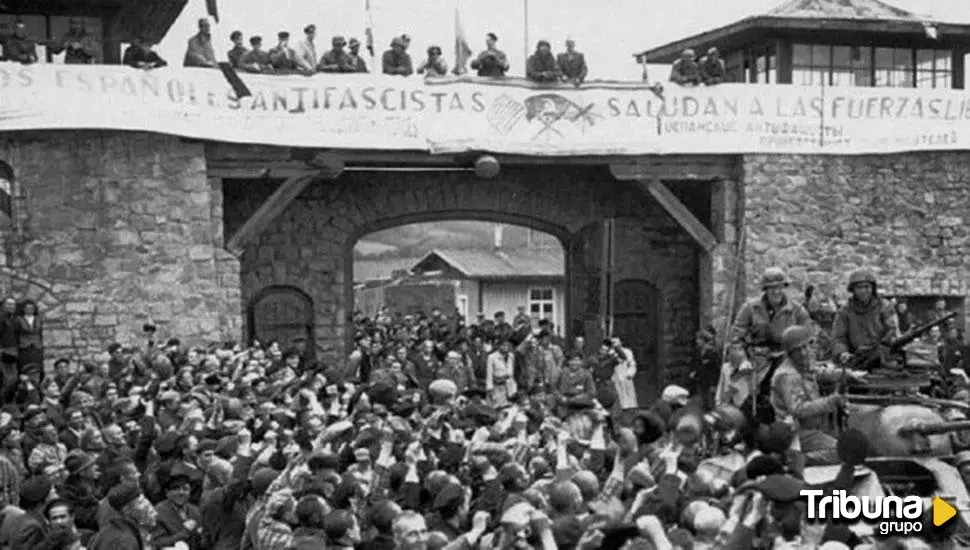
(856,17)
(500,264)
(150,19)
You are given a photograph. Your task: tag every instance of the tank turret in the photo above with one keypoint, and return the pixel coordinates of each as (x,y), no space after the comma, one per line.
(906,430)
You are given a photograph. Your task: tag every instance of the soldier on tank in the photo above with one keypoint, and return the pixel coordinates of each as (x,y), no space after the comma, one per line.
(866,322)
(796,398)
(758,328)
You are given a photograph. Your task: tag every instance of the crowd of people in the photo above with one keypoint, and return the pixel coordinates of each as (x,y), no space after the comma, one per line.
(433,433)
(303,57)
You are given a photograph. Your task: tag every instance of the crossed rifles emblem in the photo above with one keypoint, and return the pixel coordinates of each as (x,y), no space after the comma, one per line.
(551,109)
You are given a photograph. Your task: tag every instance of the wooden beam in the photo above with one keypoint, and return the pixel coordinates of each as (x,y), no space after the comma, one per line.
(676,168)
(277,203)
(679,212)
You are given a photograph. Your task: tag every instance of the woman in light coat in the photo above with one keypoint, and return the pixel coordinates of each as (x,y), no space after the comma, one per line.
(623,373)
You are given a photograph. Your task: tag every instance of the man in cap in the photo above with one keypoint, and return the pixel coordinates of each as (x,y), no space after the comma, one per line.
(141,56)
(866,322)
(282,57)
(796,398)
(19,48)
(762,321)
(572,64)
(256,60)
(200,52)
(306,51)
(685,70)
(133,528)
(712,68)
(336,59)
(356,62)
(79,46)
(492,61)
(238,50)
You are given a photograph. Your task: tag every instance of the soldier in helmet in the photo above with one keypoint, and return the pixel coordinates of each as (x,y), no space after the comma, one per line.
(685,71)
(796,398)
(867,321)
(759,327)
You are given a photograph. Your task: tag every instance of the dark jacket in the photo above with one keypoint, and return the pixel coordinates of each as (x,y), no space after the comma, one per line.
(859,325)
(308,538)
(8,333)
(380,542)
(29,334)
(169,528)
(29,531)
(83,497)
(135,55)
(397,62)
(572,66)
(542,67)
(119,534)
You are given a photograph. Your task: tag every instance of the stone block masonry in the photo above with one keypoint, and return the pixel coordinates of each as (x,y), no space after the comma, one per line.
(113,229)
(907,216)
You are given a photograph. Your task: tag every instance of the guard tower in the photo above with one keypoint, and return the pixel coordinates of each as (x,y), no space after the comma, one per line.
(834,43)
(111,22)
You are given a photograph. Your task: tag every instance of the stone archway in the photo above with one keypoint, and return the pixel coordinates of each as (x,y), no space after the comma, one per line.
(309,246)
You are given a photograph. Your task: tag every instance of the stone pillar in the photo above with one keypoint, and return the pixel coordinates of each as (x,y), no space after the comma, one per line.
(721,265)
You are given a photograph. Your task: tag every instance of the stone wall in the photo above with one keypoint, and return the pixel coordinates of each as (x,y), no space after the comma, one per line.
(907,216)
(114,229)
(310,245)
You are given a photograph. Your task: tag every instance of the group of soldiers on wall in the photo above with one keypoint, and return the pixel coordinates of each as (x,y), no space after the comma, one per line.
(303,58)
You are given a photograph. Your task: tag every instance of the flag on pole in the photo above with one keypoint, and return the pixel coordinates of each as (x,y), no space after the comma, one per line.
(463,52)
(369,33)
(213,9)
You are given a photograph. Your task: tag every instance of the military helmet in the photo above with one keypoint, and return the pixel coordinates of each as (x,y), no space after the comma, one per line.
(795,337)
(773,276)
(861,276)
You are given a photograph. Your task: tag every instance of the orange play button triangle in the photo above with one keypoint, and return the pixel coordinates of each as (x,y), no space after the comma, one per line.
(942,511)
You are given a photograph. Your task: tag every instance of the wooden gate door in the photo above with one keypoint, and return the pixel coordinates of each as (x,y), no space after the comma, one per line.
(588,260)
(636,321)
(284,314)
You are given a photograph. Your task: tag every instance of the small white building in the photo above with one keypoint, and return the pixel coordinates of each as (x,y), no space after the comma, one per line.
(489,281)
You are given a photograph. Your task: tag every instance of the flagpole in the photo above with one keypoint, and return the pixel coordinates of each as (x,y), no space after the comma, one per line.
(525,8)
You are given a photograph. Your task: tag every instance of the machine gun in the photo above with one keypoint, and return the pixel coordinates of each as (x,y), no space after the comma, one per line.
(891,370)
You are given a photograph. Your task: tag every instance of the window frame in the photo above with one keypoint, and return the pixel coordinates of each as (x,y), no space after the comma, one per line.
(902,67)
(541,302)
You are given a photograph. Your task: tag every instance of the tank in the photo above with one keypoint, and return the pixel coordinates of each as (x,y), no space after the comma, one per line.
(905,430)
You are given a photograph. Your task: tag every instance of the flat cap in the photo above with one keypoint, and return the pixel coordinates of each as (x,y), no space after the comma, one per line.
(781,488)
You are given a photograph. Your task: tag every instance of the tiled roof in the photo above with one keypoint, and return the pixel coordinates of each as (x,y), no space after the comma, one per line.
(503,264)
(380,270)
(842,9)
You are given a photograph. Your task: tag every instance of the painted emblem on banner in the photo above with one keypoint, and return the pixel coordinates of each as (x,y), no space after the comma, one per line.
(548,111)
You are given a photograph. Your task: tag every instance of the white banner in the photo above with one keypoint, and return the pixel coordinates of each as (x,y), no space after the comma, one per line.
(358,111)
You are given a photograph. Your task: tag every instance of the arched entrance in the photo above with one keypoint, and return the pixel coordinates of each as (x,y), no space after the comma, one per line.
(284,314)
(311,243)
(637,322)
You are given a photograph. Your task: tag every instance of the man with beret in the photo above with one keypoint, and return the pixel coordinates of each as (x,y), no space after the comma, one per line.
(132,529)
(283,57)
(796,398)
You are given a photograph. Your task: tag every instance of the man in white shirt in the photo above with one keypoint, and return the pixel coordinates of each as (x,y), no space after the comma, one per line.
(306,51)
